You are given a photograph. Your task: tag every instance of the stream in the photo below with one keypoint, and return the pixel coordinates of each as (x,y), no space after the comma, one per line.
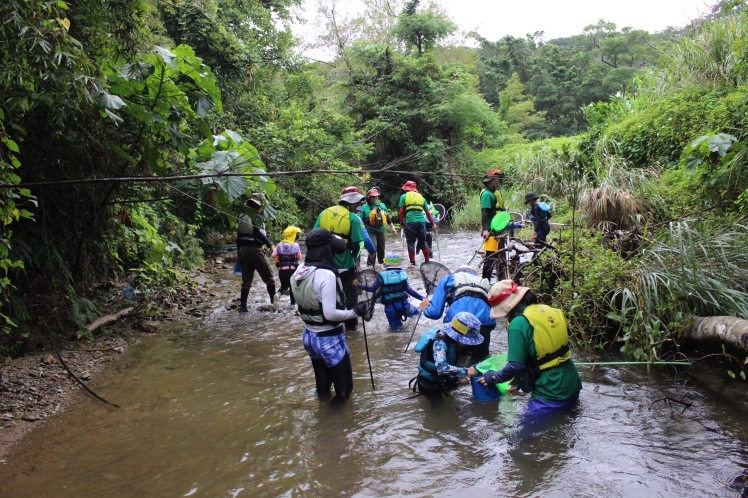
(224,406)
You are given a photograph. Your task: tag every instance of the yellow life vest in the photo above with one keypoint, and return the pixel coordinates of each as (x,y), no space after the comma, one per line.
(413,200)
(336,219)
(550,335)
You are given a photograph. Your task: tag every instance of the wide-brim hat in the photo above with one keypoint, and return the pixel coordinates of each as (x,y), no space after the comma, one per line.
(322,237)
(410,186)
(392,262)
(465,329)
(289,234)
(254,202)
(352,197)
(530,196)
(504,296)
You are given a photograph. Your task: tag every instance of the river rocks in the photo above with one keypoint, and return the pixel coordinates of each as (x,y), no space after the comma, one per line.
(37,386)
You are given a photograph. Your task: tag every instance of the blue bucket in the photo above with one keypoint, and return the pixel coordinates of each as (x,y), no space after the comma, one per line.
(482,392)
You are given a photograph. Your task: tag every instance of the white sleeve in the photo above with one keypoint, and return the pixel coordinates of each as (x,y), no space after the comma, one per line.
(325,284)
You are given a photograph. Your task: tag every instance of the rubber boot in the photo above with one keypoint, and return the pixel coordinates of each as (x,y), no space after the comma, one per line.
(274,298)
(412,256)
(244,295)
(426,254)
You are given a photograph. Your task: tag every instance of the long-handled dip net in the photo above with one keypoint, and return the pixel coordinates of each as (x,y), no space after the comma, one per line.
(432,272)
(370,287)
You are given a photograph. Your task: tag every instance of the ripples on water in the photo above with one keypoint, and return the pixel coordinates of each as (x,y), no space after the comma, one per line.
(226,407)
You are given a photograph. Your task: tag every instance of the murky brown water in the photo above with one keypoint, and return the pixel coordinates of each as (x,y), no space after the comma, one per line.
(225,406)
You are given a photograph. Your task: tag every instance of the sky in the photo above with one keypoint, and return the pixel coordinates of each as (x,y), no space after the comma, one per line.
(494,19)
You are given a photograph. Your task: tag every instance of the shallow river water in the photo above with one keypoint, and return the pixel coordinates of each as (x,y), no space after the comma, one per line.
(224,406)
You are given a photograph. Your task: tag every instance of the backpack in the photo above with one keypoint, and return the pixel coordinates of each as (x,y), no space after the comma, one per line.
(545,210)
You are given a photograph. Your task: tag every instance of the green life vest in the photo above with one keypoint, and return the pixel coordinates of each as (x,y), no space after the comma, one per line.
(246,232)
(310,309)
(550,335)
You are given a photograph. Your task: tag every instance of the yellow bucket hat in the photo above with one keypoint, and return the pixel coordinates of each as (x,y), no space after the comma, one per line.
(289,234)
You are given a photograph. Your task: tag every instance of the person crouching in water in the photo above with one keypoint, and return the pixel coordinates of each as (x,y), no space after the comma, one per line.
(397,306)
(539,356)
(319,294)
(287,255)
(437,372)
(464,290)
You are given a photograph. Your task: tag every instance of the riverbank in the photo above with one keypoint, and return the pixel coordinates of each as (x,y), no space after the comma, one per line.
(36,386)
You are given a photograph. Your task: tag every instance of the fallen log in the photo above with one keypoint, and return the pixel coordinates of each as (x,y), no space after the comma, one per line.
(726,329)
(104,320)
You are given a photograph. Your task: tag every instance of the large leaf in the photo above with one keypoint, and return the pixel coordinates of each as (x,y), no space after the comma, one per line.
(234,186)
(138,71)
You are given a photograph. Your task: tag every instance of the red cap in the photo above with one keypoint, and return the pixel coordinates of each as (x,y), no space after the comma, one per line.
(410,186)
(347,190)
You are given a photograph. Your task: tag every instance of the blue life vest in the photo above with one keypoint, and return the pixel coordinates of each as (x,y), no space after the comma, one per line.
(543,213)
(394,286)
(425,345)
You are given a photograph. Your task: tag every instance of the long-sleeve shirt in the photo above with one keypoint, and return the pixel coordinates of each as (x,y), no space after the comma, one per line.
(325,285)
(440,360)
(471,304)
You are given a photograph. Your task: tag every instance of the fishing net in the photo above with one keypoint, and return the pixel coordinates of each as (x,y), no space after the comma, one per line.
(432,272)
(441,212)
(370,286)
(516,217)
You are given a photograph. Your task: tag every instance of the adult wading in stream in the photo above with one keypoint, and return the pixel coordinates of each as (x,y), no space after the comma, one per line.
(319,293)
(463,291)
(491,201)
(437,372)
(341,220)
(250,239)
(414,211)
(376,221)
(539,357)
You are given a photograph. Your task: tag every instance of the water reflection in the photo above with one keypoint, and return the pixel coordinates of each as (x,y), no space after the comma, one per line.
(225,406)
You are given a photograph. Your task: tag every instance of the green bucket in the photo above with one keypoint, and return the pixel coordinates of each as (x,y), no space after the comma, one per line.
(495,363)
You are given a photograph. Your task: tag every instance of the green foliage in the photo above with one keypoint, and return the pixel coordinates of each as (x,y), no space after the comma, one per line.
(421,30)
(587,299)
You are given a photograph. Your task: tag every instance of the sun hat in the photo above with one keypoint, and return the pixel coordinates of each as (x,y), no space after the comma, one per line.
(466,269)
(530,196)
(392,261)
(352,197)
(289,234)
(373,192)
(322,237)
(254,202)
(410,186)
(464,328)
(504,296)
(345,190)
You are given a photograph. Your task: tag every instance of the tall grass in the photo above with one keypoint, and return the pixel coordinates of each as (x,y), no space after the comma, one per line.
(714,54)
(624,197)
(685,273)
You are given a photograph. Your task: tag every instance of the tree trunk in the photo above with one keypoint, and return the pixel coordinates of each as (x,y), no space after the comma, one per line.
(726,329)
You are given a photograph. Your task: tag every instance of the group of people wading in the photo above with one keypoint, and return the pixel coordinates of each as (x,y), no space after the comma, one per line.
(325,289)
